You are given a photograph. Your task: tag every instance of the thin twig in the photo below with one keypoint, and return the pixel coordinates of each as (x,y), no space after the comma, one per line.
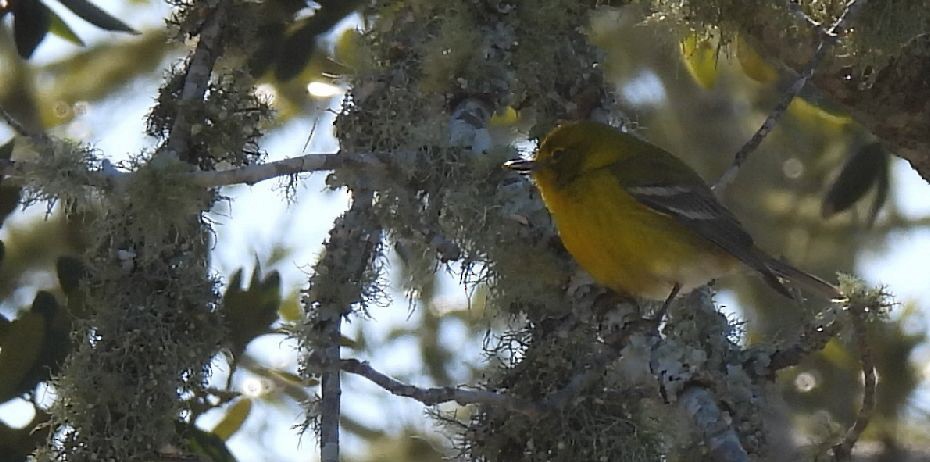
(13,123)
(852,8)
(199,69)
(39,138)
(774,115)
(249,175)
(814,338)
(843,451)
(304,164)
(779,110)
(795,9)
(438,395)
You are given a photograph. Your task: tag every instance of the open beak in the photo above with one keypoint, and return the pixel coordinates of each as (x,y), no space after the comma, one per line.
(521,166)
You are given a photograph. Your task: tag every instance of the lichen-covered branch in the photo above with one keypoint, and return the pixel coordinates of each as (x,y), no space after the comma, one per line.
(197,78)
(434,396)
(343,281)
(108,178)
(152,323)
(150,327)
(331,390)
(813,338)
(307,163)
(714,424)
(843,451)
(878,77)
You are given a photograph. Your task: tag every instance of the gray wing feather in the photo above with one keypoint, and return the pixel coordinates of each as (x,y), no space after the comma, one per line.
(698,210)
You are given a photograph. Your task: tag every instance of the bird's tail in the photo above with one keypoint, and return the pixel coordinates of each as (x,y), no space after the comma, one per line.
(783,271)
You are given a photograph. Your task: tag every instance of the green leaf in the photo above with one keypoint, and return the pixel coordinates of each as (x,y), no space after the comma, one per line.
(249,313)
(271,21)
(56,345)
(19,352)
(6,151)
(881,192)
(9,200)
(700,59)
(30,24)
(205,444)
(866,167)
(70,272)
(753,64)
(233,419)
(290,310)
(62,30)
(293,378)
(94,15)
(17,444)
(300,45)
(4,326)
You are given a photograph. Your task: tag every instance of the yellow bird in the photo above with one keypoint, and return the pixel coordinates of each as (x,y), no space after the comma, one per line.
(640,220)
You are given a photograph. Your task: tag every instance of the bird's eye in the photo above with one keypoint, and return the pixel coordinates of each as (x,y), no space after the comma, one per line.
(558,153)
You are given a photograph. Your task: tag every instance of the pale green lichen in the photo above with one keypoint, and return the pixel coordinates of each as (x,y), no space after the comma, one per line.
(150,329)
(427,57)
(143,348)
(62,173)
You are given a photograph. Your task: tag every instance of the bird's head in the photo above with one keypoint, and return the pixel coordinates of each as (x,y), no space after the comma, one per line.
(571,150)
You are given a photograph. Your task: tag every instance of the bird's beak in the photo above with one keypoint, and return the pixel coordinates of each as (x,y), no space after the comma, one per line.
(521,166)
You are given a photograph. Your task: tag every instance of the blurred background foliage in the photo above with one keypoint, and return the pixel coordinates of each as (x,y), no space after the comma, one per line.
(820,192)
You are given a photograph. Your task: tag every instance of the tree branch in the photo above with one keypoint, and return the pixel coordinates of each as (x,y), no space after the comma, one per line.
(434,396)
(250,174)
(827,40)
(338,284)
(842,452)
(39,138)
(883,99)
(308,163)
(814,337)
(718,435)
(13,123)
(331,390)
(199,69)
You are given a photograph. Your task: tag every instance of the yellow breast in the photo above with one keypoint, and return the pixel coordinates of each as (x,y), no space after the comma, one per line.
(625,245)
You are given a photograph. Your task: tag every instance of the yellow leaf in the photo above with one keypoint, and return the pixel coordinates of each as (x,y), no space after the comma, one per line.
(233,419)
(753,65)
(505,117)
(700,58)
(290,309)
(817,118)
(349,49)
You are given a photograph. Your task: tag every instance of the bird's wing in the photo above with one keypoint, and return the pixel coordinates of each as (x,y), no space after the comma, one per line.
(682,195)
(698,211)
